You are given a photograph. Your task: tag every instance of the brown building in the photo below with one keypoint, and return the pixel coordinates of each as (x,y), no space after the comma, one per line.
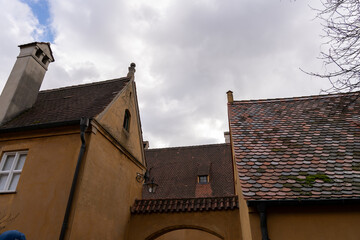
(73,166)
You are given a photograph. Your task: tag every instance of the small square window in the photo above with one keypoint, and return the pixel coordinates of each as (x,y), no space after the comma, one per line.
(11,166)
(203,179)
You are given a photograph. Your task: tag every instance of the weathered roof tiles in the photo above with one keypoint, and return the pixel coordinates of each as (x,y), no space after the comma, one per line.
(68,104)
(298,148)
(184,205)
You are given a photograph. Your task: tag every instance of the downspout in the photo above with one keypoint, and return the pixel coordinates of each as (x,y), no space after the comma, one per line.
(84,123)
(263,224)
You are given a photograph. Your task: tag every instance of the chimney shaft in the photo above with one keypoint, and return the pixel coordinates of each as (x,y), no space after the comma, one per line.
(227,137)
(24,82)
(230,97)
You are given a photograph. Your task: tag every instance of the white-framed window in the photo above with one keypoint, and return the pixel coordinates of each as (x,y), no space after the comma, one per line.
(11,166)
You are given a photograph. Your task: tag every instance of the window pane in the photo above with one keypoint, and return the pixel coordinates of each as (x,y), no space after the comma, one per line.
(20,162)
(8,162)
(3,178)
(14,181)
(203,179)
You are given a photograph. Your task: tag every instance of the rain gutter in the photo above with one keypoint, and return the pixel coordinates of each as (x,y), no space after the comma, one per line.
(84,123)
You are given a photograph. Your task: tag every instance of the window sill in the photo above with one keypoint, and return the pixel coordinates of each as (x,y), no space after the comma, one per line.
(7,192)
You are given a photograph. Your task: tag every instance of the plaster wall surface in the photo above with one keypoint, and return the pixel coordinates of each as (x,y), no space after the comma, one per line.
(315,222)
(39,202)
(112,119)
(106,189)
(186,234)
(224,224)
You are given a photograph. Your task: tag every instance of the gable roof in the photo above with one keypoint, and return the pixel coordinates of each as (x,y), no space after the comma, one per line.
(297,148)
(68,104)
(176,171)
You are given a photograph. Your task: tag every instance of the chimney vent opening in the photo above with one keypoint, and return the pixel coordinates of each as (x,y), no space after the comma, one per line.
(45,59)
(38,53)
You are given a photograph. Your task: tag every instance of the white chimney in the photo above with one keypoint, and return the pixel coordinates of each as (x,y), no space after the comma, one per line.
(227,137)
(24,82)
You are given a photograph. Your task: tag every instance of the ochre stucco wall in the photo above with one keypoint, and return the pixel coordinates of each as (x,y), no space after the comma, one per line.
(107,188)
(113,117)
(44,185)
(188,234)
(224,223)
(316,222)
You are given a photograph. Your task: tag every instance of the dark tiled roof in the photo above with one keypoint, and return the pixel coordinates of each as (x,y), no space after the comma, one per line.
(68,104)
(176,171)
(185,205)
(298,148)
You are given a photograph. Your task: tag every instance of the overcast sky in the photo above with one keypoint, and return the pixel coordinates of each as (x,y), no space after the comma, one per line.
(188,53)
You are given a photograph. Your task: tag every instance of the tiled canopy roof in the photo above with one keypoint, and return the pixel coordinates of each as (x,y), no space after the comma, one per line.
(184,205)
(69,103)
(176,171)
(298,148)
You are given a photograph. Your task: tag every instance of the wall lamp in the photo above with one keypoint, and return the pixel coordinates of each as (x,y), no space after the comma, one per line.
(145,178)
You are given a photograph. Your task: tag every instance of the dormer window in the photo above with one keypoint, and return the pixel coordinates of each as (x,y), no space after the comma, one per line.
(126,124)
(203,179)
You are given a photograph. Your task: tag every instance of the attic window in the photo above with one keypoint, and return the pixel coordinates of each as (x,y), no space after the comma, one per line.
(203,179)
(126,124)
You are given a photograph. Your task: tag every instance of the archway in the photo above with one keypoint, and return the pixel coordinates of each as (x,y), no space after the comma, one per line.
(190,232)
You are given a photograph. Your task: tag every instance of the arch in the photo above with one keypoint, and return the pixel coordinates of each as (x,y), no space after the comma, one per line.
(163,231)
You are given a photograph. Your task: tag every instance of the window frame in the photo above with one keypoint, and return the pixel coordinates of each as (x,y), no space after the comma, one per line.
(201,177)
(126,122)
(12,169)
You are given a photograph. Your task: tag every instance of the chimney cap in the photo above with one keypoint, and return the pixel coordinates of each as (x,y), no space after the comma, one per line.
(230,97)
(38,44)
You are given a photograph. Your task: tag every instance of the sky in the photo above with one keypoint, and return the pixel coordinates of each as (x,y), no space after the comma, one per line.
(188,54)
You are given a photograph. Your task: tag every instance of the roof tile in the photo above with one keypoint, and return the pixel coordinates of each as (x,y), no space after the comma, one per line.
(307,146)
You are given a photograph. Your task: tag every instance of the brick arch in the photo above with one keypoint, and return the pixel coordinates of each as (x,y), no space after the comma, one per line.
(163,231)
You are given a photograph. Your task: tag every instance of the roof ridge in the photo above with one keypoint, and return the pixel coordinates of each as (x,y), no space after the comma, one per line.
(192,146)
(85,84)
(300,98)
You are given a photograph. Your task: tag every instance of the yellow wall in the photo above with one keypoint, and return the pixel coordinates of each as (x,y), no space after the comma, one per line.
(113,117)
(106,190)
(222,223)
(43,189)
(188,234)
(320,222)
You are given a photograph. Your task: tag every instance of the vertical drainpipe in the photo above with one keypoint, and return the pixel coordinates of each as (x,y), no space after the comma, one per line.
(261,207)
(84,123)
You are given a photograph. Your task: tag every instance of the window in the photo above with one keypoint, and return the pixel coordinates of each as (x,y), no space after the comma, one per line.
(203,179)
(10,169)
(126,124)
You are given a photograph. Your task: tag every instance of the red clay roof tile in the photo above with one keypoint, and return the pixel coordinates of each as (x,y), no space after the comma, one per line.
(308,146)
(147,206)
